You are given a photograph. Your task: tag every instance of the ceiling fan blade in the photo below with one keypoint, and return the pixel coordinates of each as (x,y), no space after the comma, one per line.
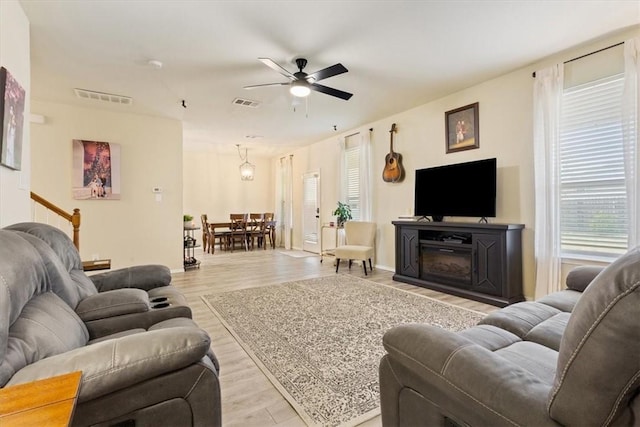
(331,91)
(267,84)
(325,73)
(272,64)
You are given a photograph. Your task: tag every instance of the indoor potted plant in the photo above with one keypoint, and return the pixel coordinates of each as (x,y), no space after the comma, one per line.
(188,220)
(343,213)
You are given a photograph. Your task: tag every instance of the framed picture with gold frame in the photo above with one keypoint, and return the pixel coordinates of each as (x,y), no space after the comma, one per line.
(462,128)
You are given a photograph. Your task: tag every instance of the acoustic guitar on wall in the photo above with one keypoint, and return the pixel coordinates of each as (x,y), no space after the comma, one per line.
(393,170)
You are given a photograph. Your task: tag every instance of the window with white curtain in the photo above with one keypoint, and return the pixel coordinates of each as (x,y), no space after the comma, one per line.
(352,166)
(593,205)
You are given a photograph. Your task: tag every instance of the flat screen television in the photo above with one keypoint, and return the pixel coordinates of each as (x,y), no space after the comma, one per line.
(462,189)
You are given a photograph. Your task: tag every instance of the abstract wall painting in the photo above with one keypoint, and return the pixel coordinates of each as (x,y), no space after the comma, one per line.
(12,100)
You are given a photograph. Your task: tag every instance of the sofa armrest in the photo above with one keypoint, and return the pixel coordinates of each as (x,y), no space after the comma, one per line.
(422,345)
(115,364)
(463,378)
(144,277)
(579,277)
(113,303)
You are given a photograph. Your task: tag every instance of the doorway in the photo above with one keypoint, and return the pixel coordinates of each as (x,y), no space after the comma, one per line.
(311,212)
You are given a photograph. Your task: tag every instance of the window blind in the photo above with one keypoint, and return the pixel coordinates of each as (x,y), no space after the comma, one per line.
(593,208)
(352,164)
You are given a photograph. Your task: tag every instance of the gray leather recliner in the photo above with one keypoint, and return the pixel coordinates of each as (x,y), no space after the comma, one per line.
(570,358)
(161,374)
(114,301)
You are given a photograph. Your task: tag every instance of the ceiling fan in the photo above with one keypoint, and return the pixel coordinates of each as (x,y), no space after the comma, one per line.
(301,83)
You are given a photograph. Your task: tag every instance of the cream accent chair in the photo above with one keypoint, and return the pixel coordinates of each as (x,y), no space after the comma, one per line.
(360,243)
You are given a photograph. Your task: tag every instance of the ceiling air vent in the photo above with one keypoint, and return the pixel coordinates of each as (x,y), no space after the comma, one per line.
(105,97)
(246,103)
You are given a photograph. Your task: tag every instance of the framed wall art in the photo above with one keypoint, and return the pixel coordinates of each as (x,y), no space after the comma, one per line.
(96,170)
(462,128)
(12,99)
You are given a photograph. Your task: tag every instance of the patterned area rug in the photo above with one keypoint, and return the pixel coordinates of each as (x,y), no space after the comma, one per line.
(320,340)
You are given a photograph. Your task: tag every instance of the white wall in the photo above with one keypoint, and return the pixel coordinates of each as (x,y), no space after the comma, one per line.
(14,56)
(212,185)
(136,229)
(505,105)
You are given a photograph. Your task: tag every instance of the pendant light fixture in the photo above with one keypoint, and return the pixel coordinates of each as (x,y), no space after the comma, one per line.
(246,169)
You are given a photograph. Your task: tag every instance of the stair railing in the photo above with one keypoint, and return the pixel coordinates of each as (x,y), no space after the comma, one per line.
(72,218)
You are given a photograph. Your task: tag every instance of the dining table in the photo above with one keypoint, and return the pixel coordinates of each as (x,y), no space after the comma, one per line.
(226,226)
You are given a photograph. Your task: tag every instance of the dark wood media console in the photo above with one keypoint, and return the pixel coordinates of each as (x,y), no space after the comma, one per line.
(478,261)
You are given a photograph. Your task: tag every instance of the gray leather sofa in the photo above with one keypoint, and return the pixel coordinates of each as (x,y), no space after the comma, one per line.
(570,358)
(141,365)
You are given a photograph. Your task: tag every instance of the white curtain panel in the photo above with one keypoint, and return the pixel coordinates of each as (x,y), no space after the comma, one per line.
(284,202)
(288,202)
(547,100)
(279,211)
(366,177)
(630,136)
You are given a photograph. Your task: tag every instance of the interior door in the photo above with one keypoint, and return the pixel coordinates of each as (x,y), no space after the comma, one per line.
(311,212)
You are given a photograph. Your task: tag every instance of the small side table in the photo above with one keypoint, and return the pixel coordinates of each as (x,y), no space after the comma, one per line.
(190,243)
(327,250)
(98,264)
(49,402)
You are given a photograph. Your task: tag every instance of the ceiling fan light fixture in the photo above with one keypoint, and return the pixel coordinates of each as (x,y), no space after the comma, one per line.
(300,88)
(301,83)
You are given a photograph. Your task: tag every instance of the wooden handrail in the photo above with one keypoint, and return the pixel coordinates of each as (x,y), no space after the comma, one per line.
(73,218)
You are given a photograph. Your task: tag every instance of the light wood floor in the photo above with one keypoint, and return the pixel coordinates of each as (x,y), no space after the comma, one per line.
(248,398)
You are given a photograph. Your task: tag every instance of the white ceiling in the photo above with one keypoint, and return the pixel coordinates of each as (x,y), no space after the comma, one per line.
(400,54)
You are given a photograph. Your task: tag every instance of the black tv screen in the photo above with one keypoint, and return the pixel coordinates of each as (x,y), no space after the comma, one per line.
(462,189)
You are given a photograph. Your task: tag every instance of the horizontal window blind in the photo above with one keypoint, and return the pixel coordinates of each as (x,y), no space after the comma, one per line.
(593,206)
(352,163)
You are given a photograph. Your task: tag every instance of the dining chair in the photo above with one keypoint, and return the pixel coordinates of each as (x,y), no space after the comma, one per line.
(269,229)
(238,230)
(255,229)
(207,237)
(221,235)
(360,237)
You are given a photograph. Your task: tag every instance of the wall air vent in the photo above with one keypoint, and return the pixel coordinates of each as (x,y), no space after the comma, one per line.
(105,97)
(246,103)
